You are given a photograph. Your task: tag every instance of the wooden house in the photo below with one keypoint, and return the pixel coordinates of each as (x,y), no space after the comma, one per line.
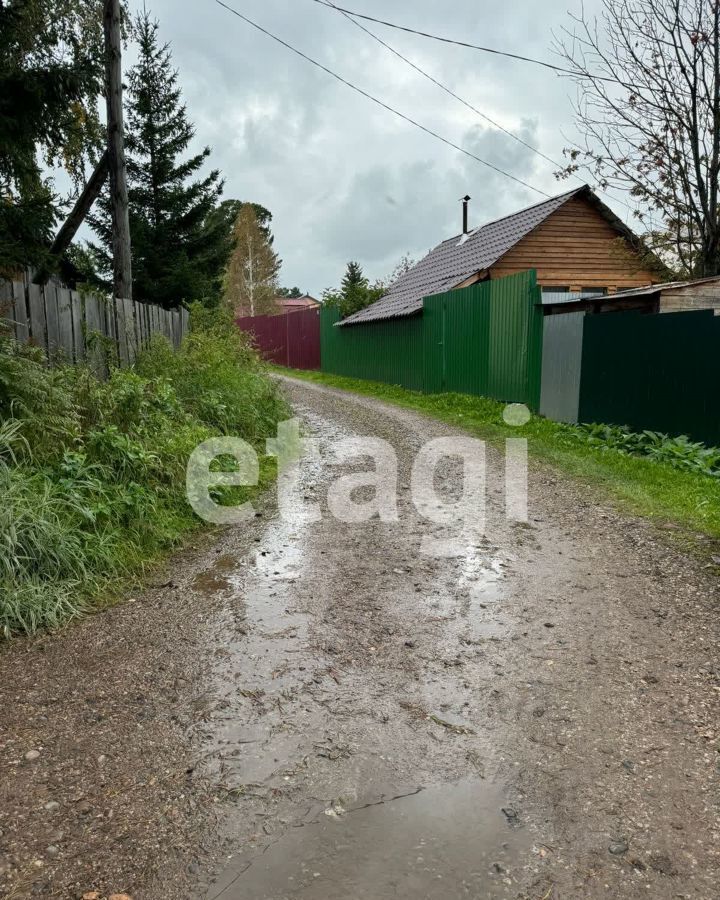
(574,242)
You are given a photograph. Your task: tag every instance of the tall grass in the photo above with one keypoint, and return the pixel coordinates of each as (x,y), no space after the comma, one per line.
(92,474)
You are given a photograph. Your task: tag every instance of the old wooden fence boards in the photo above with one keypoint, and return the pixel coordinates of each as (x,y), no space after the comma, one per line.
(73,327)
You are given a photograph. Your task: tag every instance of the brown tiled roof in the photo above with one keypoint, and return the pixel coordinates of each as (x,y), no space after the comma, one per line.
(460,257)
(304,302)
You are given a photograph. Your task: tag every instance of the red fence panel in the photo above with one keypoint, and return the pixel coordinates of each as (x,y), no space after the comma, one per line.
(291,339)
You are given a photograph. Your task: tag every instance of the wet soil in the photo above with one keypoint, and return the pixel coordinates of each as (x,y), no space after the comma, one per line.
(317,710)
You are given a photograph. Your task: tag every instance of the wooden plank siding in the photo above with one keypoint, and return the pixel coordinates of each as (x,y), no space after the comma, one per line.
(576,248)
(691,297)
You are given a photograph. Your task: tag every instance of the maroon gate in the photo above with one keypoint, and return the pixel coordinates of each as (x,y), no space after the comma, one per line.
(291,339)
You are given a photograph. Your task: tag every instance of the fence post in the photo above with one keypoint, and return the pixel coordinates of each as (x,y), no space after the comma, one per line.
(95,330)
(128,313)
(7,312)
(52,319)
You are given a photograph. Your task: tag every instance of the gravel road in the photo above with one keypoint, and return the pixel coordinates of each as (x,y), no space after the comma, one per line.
(320,711)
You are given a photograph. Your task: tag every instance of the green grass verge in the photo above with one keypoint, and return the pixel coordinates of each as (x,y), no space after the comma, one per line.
(92,473)
(639,485)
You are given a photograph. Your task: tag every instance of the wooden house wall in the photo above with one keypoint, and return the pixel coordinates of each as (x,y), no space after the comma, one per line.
(576,248)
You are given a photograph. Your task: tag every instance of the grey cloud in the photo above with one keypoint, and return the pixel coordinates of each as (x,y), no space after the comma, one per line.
(343,178)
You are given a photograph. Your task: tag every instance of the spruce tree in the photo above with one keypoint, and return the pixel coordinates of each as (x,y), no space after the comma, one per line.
(178,250)
(353,279)
(355,292)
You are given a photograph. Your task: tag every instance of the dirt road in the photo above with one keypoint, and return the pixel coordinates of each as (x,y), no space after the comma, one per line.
(320,711)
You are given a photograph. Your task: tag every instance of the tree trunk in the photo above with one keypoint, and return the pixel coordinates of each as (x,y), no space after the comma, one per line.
(122,265)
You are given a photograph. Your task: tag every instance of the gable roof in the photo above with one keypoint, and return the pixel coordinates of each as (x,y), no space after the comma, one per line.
(460,257)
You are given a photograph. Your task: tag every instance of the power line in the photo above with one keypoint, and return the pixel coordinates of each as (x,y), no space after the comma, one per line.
(493,50)
(442,86)
(350,17)
(380,103)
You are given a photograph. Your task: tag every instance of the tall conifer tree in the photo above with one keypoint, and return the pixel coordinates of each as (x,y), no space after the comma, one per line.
(176,256)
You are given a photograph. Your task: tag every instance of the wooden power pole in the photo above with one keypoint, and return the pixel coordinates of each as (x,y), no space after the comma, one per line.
(122,265)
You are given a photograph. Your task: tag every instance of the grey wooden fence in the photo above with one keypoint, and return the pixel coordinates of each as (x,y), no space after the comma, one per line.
(76,327)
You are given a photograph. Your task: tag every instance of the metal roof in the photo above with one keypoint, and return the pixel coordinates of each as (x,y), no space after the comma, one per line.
(664,286)
(461,257)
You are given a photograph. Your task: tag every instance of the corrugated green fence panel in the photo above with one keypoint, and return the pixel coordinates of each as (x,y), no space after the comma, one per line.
(660,372)
(433,340)
(485,340)
(389,351)
(508,372)
(535,343)
(457,326)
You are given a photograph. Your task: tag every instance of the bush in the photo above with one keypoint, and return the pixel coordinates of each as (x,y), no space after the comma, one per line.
(92,474)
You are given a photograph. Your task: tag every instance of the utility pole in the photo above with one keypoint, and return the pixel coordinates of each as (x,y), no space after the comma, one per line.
(122,266)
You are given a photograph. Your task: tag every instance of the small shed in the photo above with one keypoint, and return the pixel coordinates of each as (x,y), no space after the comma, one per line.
(673,296)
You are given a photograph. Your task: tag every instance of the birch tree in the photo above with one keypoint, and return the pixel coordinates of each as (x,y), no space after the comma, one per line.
(251,278)
(648,111)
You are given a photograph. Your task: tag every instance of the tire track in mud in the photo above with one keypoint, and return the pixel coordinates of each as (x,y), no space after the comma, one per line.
(318,710)
(524,677)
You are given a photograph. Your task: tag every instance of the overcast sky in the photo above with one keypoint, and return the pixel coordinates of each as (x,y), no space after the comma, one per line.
(343,178)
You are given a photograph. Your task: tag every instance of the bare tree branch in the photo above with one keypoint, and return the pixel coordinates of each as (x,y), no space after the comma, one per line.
(654,129)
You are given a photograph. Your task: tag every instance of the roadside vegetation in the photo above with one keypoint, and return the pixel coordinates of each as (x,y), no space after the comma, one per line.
(92,473)
(668,479)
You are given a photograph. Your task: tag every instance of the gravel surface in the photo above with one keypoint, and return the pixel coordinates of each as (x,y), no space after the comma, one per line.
(318,710)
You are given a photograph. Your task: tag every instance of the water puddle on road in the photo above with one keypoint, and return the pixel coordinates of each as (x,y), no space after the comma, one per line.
(444,841)
(323,787)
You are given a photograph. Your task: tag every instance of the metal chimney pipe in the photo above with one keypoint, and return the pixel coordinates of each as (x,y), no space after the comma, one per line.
(465,200)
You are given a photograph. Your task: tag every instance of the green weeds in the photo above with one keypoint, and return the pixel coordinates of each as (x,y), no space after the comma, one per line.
(92,474)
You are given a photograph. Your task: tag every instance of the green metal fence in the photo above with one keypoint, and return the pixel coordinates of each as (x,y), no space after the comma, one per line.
(485,340)
(389,351)
(660,372)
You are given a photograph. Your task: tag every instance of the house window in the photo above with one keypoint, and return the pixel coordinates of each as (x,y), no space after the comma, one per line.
(587,291)
(557,295)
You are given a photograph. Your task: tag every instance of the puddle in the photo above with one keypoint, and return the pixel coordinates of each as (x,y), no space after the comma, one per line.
(212,582)
(481,587)
(446,841)
(482,577)
(302,749)
(264,660)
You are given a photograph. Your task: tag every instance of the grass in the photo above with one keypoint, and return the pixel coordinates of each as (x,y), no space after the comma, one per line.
(92,473)
(639,485)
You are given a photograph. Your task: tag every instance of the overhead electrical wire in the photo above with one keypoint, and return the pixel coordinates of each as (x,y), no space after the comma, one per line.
(436,37)
(443,87)
(351,17)
(379,102)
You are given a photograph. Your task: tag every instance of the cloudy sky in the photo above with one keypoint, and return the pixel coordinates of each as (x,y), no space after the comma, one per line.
(344,178)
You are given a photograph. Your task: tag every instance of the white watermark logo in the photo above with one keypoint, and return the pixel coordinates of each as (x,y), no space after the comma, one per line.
(370,490)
